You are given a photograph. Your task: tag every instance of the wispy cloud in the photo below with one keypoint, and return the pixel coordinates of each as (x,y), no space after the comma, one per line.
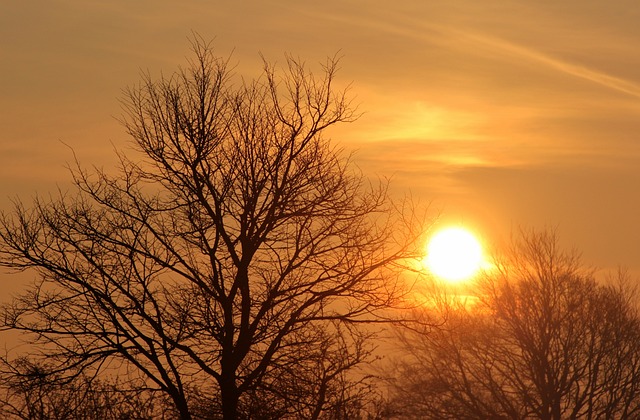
(598,77)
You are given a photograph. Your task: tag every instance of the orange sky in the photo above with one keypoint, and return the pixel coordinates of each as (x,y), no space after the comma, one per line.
(500,113)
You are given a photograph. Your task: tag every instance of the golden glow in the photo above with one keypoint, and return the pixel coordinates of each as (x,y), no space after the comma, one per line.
(454,254)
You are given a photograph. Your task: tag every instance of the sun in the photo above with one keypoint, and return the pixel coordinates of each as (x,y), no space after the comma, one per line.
(454,254)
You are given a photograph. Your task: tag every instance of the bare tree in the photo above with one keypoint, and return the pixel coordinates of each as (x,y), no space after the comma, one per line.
(235,254)
(543,340)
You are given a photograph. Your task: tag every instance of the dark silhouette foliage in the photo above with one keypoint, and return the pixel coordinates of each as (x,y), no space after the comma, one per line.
(229,263)
(541,340)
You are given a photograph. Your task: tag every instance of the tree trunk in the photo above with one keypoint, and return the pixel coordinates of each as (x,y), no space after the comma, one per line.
(228,387)
(230,399)
(180,403)
(183,408)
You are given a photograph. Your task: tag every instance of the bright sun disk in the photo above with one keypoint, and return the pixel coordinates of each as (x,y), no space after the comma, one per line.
(454,254)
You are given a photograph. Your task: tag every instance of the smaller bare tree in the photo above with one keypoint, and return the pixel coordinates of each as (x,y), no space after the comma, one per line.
(544,340)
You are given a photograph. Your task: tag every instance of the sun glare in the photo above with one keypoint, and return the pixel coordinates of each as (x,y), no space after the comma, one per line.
(454,254)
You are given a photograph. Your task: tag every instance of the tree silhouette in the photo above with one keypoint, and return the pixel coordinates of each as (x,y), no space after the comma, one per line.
(230,263)
(543,340)
(33,392)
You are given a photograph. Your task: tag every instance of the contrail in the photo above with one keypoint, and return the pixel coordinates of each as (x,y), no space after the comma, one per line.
(582,72)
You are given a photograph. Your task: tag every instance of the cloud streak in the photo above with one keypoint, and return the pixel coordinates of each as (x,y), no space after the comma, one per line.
(594,76)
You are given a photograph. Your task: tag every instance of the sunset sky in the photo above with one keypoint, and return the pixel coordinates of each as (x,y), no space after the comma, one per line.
(498,113)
